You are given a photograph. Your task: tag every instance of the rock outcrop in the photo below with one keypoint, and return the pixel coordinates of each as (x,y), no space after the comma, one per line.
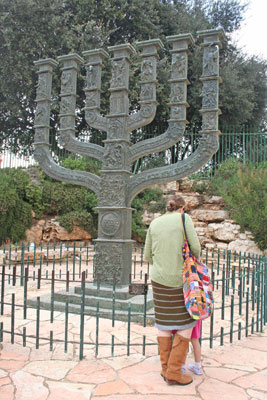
(50,231)
(212,222)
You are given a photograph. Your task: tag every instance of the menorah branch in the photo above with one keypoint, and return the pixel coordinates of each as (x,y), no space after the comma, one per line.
(67,139)
(208,146)
(162,142)
(43,156)
(70,143)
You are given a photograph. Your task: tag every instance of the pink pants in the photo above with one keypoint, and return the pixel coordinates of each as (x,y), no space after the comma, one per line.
(195,332)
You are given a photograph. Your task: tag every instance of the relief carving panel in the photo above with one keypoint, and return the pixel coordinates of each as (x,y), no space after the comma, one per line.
(179,66)
(178,94)
(209,121)
(210,94)
(210,60)
(118,73)
(147,70)
(113,156)
(112,191)
(108,262)
(91,77)
(110,223)
(42,114)
(66,82)
(66,105)
(42,87)
(147,92)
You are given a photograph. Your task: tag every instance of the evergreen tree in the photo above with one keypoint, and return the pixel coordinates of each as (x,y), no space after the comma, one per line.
(34,29)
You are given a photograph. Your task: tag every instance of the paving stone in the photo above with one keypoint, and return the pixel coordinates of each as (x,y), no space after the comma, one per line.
(115,387)
(257,380)
(14,352)
(3,373)
(257,395)
(158,396)
(52,369)
(241,356)
(7,392)
(124,361)
(65,390)
(41,354)
(209,362)
(240,367)
(223,374)
(257,343)
(91,372)
(212,389)
(29,387)
(145,378)
(5,381)
(11,365)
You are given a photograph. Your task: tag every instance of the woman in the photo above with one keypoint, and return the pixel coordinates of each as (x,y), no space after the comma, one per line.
(163,249)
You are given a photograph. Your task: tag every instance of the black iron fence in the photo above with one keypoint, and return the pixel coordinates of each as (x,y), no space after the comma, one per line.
(48,298)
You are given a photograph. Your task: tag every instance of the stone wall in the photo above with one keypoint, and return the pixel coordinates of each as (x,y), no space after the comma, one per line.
(214,227)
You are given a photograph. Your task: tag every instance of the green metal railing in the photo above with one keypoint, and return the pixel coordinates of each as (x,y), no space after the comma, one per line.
(240,291)
(245,144)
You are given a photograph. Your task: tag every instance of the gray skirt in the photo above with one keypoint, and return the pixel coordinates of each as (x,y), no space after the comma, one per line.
(170,311)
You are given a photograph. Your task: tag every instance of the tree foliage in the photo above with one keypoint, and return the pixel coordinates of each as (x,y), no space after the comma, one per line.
(35,29)
(15,212)
(244,190)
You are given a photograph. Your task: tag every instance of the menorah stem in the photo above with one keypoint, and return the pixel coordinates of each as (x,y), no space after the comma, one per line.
(114,243)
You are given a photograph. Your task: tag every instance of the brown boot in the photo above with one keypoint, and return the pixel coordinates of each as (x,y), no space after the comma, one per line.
(165,346)
(174,375)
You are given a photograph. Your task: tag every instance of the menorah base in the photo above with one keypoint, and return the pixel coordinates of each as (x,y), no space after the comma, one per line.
(115,304)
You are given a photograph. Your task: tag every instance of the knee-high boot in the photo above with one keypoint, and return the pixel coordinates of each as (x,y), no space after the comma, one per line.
(174,375)
(165,346)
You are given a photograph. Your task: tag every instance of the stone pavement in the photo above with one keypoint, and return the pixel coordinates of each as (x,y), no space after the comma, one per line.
(235,371)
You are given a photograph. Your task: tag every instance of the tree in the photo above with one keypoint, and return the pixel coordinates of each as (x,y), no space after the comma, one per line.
(34,29)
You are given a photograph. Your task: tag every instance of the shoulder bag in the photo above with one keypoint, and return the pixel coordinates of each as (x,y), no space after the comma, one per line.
(197,286)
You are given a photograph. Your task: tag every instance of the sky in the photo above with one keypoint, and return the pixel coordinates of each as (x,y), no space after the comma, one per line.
(252,37)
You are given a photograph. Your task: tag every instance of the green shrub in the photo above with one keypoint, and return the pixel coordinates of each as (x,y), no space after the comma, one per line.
(81,218)
(19,178)
(62,197)
(150,199)
(82,164)
(34,195)
(200,187)
(153,161)
(15,213)
(225,176)
(244,190)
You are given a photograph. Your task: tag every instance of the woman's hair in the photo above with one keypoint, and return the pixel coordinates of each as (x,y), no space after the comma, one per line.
(174,203)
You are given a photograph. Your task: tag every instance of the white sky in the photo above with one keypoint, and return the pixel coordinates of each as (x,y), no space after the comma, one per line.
(252,37)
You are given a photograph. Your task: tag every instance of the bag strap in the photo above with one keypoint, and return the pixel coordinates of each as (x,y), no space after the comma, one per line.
(183,222)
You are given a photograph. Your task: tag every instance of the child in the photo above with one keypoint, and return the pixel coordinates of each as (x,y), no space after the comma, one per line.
(196,366)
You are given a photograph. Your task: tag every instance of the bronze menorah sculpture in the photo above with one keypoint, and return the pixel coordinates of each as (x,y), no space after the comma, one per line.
(116,187)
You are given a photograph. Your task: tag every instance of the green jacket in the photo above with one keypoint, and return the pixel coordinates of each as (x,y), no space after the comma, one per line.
(163,247)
